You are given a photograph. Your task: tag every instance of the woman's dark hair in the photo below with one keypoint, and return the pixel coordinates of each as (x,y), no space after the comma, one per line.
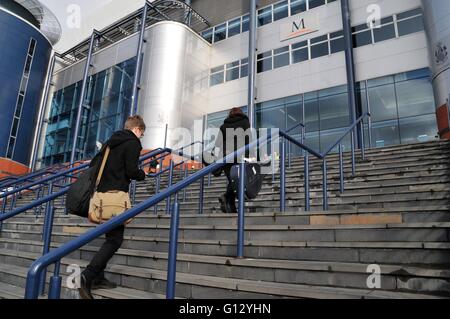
(235,112)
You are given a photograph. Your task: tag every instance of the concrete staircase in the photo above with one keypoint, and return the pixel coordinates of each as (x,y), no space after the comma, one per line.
(394,213)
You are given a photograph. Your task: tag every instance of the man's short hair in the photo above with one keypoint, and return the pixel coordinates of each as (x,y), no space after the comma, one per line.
(135,121)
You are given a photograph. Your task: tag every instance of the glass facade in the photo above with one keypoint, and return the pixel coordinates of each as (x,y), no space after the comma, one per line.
(105,111)
(331,43)
(402,108)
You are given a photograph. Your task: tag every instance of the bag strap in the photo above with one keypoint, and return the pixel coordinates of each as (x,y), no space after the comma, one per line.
(100,173)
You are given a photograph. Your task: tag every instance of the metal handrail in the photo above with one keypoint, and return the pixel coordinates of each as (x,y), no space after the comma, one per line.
(38,267)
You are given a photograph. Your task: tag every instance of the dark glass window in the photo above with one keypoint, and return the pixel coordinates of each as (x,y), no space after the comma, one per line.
(280,60)
(415,97)
(245,23)
(409,13)
(298,6)
(362,38)
(383,103)
(32,47)
(265,16)
(385,133)
(208,35)
(244,70)
(234,27)
(316,3)
(337,45)
(409,26)
(264,65)
(220,32)
(232,74)
(418,129)
(384,33)
(216,78)
(300,55)
(319,50)
(280,10)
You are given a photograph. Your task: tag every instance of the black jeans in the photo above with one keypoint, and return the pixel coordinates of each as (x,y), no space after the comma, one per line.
(230,194)
(114,240)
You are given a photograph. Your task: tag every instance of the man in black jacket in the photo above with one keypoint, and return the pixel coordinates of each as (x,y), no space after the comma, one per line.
(121,167)
(235,125)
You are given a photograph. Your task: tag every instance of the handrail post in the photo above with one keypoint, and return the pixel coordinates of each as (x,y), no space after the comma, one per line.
(325,186)
(306,168)
(283,177)
(370,130)
(289,154)
(55,283)
(341,169)
(353,152)
(185,176)
(158,184)
(48,227)
(202,191)
(170,184)
(173,244)
(363,147)
(240,248)
(4,199)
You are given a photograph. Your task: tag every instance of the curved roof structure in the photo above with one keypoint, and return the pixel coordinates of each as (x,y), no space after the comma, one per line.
(49,24)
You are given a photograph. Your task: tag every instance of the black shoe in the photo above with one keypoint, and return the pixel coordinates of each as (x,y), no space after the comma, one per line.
(85,289)
(223,204)
(103,283)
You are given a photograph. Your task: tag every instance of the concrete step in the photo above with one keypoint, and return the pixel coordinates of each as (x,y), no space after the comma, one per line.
(400,252)
(203,286)
(337,274)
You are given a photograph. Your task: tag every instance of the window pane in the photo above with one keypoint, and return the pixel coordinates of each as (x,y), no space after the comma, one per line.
(220,33)
(11,144)
(265,16)
(337,45)
(319,50)
(264,65)
(294,110)
(418,129)
(316,3)
(410,13)
(234,27)
(28,65)
(245,23)
(14,127)
(329,137)
(232,74)
(271,115)
(382,103)
(334,112)
(385,133)
(32,47)
(216,78)
(410,26)
(312,115)
(232,65)
(384,33)
(208,35)
(19,105)
(217,69)
(362,39)
(299,45)
(280,10)
(415,97)
(244,70)
(319,39)
(298,6)
(281,60)
(313,141)
(281,50)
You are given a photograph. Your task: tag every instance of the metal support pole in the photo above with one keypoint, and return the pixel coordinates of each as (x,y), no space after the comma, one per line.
(289,154)
(252,62)
(341,169)
(82,98)
(4,200)
(42,114)
(173,244)
(55,283)
(325,186)
(240,248)
(283,177)
(158,184)
(165,135)
(138,69)
(170,184)
(307,201)
(353,152)
(202,191)
(187,18)
(349,59)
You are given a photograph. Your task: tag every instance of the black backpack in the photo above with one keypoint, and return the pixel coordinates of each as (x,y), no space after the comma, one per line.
(253,179)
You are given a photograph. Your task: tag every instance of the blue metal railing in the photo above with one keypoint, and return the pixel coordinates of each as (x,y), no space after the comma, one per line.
(36,270)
